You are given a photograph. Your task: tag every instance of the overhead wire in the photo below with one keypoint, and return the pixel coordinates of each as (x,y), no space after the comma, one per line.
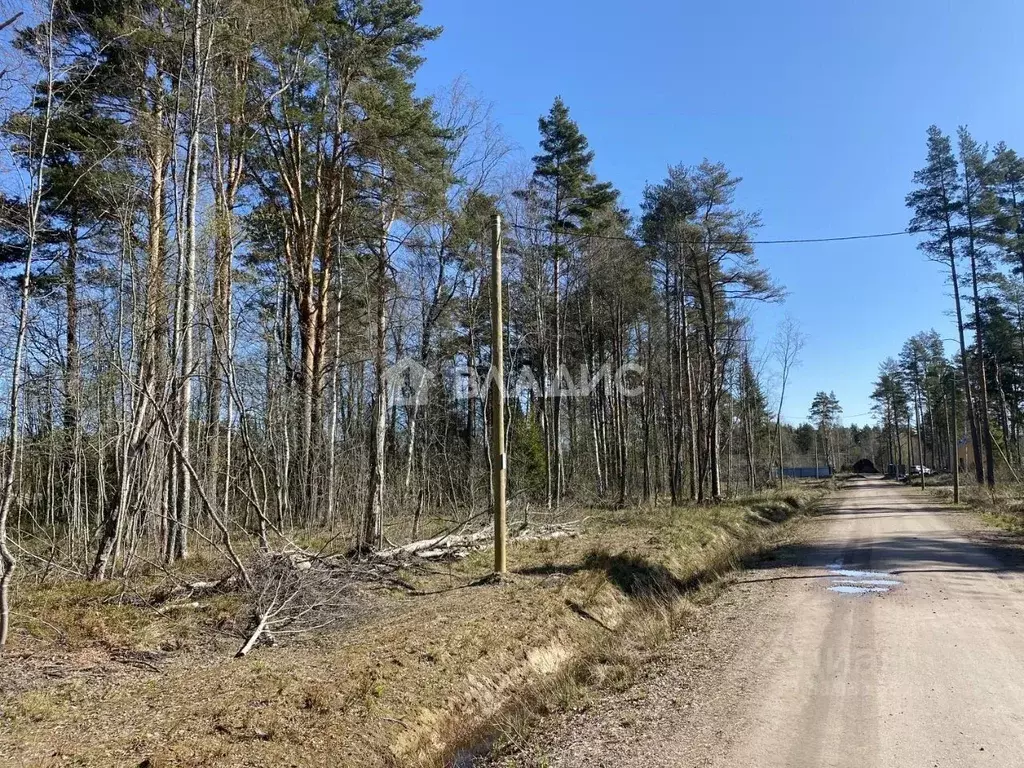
(723,241)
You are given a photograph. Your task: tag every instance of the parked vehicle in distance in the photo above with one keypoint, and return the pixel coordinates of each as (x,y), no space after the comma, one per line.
(917,469)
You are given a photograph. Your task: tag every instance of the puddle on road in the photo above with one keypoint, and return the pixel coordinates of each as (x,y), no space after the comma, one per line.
(850,589)
(851,582)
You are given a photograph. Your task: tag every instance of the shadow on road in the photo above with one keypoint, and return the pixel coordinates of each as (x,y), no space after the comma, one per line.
(919,538)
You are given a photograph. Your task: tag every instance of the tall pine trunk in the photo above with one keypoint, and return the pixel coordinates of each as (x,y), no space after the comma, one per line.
(373,520)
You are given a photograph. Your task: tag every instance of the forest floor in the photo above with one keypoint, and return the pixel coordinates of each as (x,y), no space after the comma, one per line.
(446,666)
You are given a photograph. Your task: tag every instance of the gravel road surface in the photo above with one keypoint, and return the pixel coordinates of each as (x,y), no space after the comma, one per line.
(891,636)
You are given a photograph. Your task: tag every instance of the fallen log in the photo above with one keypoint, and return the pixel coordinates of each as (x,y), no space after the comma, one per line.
(429,548)
(453,546)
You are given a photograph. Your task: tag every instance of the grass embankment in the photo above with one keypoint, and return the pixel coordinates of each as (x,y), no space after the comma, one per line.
(95,679)
(1002,507)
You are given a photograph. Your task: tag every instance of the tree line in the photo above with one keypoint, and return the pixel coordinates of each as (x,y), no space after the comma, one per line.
(968,205)
(245,273)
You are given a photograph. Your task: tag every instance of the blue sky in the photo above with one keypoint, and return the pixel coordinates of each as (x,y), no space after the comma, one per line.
(820,105)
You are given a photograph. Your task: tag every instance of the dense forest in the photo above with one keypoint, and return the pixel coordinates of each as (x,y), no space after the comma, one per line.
(246,295)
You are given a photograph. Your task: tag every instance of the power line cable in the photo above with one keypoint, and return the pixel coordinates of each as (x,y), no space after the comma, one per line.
(785,241)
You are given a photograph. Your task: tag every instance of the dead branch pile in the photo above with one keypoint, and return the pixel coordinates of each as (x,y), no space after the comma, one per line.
(294,593)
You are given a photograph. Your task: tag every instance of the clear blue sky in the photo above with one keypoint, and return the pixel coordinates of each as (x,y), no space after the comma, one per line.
(820,105)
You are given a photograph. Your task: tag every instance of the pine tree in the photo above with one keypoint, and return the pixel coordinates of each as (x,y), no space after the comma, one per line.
(977,206)
(914,362)
(937,207)
(890,398)
(723,270)
(825,412)
(1006,173)
(667,212)
(569,195)
(1004,362)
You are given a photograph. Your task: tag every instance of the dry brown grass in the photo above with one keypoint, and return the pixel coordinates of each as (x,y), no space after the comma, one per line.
(102,682)
(1002,507)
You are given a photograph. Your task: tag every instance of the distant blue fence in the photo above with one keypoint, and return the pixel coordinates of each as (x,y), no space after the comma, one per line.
(805,472)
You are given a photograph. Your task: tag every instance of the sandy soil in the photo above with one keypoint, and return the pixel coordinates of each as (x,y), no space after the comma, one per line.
(917,659)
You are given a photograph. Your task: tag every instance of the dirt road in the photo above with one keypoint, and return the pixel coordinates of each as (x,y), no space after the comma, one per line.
(893,636)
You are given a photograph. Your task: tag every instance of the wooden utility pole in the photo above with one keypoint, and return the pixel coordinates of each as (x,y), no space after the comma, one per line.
(497,395)
(956,448)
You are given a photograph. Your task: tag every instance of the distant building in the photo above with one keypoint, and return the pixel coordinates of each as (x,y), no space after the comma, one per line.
(865,467)
(965,455)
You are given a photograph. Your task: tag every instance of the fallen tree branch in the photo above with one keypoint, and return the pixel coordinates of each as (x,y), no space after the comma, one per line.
(257,633)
